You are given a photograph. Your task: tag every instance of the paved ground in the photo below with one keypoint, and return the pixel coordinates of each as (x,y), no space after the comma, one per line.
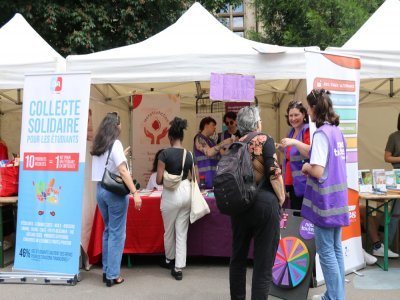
(205,278)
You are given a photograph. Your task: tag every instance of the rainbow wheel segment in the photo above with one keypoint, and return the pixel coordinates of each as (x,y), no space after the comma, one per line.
(291,264)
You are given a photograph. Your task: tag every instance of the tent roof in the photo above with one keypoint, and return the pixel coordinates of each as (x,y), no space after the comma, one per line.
(24,51)
(189,50)
(377,43)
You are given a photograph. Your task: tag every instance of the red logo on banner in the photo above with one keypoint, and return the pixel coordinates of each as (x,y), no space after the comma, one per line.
(56,84)
(156,127)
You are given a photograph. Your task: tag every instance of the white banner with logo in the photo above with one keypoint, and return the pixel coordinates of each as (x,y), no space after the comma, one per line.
(150,122)
(53,152)
(341,76)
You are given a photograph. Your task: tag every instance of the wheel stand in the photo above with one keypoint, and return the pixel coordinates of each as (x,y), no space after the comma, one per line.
(38,278)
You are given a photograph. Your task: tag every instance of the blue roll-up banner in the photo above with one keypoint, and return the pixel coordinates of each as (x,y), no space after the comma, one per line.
(51,180)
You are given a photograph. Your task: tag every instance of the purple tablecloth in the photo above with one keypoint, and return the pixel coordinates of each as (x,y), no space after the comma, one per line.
(211,235)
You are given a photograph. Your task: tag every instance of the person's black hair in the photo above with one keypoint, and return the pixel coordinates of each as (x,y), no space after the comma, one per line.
(106,134)
(398,122)
(320,101)
(231,115)
(155,161)
(205,121)
(299,105)
(175,132)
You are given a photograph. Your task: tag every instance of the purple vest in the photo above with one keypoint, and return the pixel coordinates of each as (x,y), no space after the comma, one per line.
(325,203)
(207,165)
(296,163)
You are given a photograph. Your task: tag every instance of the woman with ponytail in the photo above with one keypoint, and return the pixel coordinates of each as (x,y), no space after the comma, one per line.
(175,204)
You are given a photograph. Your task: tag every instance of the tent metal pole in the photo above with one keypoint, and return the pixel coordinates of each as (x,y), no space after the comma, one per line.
(19,99)
(391,94)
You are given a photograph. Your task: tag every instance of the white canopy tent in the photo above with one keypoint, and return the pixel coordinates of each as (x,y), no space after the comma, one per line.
(378,46)
(187,52)
(23,51)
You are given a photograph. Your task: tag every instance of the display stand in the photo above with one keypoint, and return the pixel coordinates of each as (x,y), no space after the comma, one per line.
(38,278)
(294,262)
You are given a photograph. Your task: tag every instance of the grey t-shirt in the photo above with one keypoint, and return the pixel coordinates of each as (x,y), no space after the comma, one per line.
(393,146)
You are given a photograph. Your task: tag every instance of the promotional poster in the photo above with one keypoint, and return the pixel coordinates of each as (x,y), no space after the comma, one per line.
(53,152)
(341,76)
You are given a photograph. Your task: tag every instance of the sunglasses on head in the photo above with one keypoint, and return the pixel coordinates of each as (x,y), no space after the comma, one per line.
(116,114)
(318,92)
(231,122)
(295,104)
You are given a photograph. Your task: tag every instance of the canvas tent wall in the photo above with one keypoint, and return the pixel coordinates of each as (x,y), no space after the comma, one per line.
(378,46)
(188,51)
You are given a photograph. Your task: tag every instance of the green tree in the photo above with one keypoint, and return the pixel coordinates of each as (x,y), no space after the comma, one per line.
(320,23)
(81,26)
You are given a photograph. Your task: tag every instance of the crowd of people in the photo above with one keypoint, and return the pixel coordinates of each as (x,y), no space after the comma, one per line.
(312,178)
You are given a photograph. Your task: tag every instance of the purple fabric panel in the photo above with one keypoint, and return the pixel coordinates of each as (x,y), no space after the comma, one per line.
(212,234)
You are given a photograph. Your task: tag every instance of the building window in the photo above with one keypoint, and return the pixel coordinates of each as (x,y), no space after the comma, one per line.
(233,18)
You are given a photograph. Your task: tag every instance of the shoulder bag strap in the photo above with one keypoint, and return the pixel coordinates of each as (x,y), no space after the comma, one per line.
(183,160)
(193,170)
(109,152)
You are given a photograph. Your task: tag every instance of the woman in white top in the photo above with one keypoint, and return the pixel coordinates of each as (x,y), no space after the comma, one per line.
(152,184)
(113,207)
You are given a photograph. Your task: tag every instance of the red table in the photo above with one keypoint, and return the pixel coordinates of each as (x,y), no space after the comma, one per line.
(209,236)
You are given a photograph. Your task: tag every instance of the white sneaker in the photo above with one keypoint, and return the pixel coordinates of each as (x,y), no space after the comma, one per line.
(316,297)
(380,252)
(369,259)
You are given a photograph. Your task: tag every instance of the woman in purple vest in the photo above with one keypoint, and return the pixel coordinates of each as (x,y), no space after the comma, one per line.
(325,200)
(296,147)
(206,150)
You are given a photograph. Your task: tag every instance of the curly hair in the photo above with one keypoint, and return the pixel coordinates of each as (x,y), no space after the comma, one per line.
(108,131)
(175,132)
(320,101)
(205,121)
(299,105)
(247,119)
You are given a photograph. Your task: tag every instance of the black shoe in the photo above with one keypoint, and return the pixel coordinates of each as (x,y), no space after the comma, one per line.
(111,282)
(104,278)
(177,274)
(165,265)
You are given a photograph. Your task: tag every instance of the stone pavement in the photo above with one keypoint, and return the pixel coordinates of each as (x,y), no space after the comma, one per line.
(204,278)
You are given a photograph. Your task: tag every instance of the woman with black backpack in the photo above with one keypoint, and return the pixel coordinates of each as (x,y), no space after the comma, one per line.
(261,221)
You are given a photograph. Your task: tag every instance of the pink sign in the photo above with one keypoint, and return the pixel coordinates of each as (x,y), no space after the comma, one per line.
(232,87)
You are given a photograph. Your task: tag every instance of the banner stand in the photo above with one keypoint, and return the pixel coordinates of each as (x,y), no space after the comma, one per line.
(38,278)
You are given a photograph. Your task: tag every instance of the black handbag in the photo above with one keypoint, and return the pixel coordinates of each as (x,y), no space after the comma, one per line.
(113,182)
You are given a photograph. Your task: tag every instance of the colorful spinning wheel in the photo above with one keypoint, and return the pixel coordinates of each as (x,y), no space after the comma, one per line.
(291,263)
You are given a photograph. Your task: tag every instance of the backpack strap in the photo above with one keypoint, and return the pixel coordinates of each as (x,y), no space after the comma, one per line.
(250,136)
(247,140)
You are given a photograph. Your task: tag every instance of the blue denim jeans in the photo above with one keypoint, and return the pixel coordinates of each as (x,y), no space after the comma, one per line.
(113,209)
(329,248)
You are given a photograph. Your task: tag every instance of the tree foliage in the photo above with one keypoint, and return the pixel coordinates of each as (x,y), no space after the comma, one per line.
(81,26)
(312,22)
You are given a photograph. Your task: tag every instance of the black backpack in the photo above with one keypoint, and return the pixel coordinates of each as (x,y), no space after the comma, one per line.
(234,183)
